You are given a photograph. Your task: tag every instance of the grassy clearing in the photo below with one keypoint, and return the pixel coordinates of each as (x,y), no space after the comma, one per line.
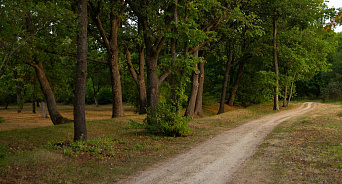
(307,149)
(48,155)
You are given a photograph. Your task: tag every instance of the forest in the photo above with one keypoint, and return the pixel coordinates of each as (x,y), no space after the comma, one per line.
(166,58)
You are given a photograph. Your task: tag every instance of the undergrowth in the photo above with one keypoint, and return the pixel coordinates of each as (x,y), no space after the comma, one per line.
(166,121)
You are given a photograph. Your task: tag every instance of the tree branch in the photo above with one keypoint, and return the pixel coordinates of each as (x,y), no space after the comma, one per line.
(130,66)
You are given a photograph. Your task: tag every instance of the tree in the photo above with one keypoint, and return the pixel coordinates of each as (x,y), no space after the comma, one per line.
(109,39)
(154,39)
(80,130)
(37,64)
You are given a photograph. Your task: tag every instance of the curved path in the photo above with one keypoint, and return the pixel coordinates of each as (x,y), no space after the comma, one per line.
(216,160)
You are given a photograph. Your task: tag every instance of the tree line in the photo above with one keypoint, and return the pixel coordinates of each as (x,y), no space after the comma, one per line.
(163,56)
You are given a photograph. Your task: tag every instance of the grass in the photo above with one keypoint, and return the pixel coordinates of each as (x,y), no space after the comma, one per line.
(48,155)
(307,149)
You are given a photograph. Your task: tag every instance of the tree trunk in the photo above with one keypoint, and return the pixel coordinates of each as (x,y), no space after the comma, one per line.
(190,110)
(55,116)
(275,55)
(44,113)
(34,96)
(18,91)
(236,85)
(152,84)
(80,129)
(139,78)
(199,99)
(116,86)
(95,92)
(110,41)
(226,78)
(285,97)
(291,90)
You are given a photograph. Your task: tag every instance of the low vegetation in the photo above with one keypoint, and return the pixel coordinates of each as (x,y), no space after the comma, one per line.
(306,149)
(114,150)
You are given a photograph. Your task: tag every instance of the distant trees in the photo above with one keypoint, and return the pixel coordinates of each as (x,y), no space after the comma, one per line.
(177,53)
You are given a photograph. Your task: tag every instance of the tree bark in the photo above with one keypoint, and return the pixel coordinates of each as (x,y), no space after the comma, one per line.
(275,55)
(236,85)
(199,99)
(226,78)
(152,84)
(80,129)
(55,116)
(190,110)
(116,86)
(285,97)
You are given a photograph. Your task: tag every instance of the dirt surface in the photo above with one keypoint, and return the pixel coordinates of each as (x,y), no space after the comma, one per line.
(27,119)
(218,159)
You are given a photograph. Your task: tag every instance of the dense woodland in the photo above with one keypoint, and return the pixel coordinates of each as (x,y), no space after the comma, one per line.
(167,58)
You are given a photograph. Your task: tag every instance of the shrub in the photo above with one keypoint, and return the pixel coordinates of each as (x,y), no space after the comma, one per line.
(2,120)
(105,96)
(167,121)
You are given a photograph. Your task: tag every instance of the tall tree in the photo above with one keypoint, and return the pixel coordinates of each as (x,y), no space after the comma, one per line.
(107,35)
(154,25)
(37,64)
(80,129)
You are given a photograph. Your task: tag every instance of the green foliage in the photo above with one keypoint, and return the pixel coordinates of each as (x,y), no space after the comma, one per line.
(2,120)
(167,121)
(105,96)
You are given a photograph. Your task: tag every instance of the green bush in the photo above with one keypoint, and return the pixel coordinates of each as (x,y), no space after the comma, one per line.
(167,122)
(105,96)
(2,120)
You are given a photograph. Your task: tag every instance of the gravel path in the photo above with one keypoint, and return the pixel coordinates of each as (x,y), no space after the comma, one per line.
(215,161)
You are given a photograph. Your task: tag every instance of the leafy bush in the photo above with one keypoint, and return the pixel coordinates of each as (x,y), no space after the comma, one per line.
(167,121)
(2,120)
(105,96)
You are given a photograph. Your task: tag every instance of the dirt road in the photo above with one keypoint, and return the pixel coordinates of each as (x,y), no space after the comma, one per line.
(216,160)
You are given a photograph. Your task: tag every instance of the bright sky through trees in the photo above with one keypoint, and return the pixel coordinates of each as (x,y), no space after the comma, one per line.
(336,4)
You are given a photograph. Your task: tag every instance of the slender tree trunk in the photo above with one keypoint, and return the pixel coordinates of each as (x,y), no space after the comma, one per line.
(139,78)
(55,116)
(291,90)
(110,41)
(95,91)
(80,129)
(199,99)
(190,110)
(34,96)
(275,54)
(236,85)
(285,97)
(116,86)
(18,91)
(226,78)
(142,84)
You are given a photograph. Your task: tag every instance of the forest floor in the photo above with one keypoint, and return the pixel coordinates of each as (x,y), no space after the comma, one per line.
(232,147)
(218,159)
